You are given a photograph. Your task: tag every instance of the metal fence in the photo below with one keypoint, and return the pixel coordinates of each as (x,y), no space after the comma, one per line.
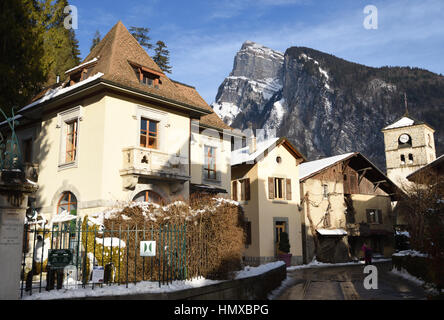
(72,255)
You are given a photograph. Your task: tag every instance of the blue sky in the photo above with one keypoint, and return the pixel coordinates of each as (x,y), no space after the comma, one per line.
(204,36)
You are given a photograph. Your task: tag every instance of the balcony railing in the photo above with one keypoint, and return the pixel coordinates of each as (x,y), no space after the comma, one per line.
(154,164)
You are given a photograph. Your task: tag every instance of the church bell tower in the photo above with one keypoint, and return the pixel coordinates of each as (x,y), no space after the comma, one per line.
(409,145)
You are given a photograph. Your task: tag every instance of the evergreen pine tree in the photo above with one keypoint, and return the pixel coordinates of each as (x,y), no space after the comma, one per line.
(162,56)
(60,45)
(141,35)
(95,40)
(21,53)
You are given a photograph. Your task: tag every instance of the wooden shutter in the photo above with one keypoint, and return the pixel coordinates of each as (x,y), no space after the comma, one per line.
(242,190)
(234,190)
(270,188)
(247,189)
(379,216)
(288,188)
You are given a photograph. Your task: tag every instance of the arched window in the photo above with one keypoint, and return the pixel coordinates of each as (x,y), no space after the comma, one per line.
(67,202)
(148,196)
(402,159)
(410,158)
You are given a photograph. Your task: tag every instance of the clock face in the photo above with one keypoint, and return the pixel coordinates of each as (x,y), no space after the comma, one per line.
(404,138)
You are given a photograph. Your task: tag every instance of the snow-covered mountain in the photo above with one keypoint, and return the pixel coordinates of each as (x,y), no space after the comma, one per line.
(323,104)
(256,77)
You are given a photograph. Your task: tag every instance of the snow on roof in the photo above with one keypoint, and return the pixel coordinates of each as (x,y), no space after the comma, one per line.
(332,232)
(81,65)
(52,93)
(403,122)
(242,155)
(308,168)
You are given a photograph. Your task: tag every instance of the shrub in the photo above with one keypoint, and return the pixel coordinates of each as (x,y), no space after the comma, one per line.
(284,243)
(214,237)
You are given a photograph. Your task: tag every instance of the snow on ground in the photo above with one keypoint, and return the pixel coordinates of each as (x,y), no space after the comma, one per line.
(404,274)
(318,264)
(254,271)
(115,290)
(412,253)
(287,283)
(74,290)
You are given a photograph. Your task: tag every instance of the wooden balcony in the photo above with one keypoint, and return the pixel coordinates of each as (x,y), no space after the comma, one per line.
(152,164)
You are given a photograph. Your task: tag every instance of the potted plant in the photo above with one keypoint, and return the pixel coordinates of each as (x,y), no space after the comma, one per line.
(284,249)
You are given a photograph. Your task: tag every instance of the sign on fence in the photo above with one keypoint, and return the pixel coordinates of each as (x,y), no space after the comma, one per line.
(98,274)
(59,258)
(147,248)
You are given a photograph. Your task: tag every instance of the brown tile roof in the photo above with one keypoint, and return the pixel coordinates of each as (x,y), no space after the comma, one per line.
(115,52)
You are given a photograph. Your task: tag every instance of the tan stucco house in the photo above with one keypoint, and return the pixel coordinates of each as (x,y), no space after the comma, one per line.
(265,180)
(346,201)
(117,130)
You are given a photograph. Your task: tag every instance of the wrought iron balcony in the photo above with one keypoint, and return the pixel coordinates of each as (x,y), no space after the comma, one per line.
(141,162)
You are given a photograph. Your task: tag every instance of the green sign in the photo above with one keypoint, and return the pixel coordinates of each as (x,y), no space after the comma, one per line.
(59,258)
(147,248)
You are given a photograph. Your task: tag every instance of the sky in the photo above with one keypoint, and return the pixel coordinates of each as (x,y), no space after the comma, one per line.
(204,36)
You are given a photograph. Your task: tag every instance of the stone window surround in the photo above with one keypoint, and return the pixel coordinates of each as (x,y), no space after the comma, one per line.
(63,118)
(161,117)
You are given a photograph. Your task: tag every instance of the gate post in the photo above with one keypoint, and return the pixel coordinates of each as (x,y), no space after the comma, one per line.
(14,192)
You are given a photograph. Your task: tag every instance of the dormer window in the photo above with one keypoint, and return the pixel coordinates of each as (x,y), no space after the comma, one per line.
(146,76)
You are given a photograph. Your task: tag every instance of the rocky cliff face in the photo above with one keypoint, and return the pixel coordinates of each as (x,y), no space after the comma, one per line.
(323,104)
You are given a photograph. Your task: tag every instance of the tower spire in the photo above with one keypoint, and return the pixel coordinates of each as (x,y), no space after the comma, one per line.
(406,114)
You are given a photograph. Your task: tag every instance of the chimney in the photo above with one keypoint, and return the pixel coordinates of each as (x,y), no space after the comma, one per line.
(251,140)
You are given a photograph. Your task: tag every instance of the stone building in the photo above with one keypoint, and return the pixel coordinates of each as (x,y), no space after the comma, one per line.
(409,145)
(346,201)
(117,130)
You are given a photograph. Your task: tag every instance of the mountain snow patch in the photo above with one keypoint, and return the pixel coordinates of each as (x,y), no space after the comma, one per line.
(227,111)
(276,115)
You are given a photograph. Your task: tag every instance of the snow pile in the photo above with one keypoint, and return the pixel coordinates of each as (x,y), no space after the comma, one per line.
(317,264)
(254,271)
(111,242)
(412,253)
(65,216)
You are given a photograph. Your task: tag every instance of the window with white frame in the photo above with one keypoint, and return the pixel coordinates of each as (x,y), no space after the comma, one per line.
(68,122)
(210,163)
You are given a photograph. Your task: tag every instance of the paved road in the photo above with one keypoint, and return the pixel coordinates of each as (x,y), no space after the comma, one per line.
(347,283)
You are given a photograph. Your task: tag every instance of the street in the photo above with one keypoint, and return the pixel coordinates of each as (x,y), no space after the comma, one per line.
(347,283)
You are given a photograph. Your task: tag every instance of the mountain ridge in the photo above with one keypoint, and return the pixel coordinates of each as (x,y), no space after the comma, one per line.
(323,104)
